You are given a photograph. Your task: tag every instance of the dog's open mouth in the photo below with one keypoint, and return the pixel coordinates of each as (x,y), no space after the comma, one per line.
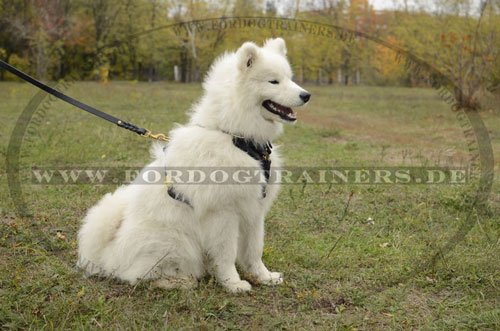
(285,113)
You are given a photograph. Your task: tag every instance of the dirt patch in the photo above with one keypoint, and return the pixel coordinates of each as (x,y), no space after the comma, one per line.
(332,305)
(373,129)
(411,150)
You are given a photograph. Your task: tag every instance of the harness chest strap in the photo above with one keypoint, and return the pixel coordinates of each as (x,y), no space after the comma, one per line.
(259,153)
(178,196)
(254,150)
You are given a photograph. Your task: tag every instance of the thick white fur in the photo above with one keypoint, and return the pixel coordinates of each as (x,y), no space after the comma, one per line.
(140,232)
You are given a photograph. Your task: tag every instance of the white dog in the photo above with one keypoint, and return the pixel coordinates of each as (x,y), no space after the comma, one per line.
(179,233)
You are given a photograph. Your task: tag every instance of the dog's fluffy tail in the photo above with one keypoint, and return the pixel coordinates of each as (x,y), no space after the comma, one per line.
(98,230)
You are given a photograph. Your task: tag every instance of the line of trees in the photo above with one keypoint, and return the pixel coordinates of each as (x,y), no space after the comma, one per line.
(52,39)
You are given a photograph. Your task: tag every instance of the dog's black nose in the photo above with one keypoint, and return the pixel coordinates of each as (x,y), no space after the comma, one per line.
(305,96)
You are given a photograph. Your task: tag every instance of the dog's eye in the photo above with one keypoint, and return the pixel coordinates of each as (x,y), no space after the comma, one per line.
(274,82)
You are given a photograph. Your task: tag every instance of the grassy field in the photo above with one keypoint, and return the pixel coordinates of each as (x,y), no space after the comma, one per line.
(342,269)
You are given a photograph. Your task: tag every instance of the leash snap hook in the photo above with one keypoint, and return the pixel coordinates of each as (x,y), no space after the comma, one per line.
(158,136)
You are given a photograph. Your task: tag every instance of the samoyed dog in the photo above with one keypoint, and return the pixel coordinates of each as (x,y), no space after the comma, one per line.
(176,234)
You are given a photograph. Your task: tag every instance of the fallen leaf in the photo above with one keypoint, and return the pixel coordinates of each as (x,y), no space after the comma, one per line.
(81,292)
(431,280)
(17,244)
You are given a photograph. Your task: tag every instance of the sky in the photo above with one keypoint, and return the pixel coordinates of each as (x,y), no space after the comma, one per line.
(382,4)
(399,4)
(470,7)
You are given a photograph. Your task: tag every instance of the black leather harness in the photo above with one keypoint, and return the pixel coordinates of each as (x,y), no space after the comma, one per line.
(178,196)
(261,153)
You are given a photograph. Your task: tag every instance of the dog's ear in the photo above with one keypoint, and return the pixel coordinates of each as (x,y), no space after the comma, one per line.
(247,54)
(277,45)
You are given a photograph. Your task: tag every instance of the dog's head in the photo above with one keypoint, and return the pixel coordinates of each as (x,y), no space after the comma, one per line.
(266,75)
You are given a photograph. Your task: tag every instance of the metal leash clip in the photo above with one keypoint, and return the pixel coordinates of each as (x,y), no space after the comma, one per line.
(158,136)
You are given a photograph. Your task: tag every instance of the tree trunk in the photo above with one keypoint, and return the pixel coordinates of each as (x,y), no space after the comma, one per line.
(195,66)
(184,76)
(151,68)
(41,59)
(59,66)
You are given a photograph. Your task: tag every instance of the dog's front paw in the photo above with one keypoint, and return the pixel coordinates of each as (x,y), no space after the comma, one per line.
(271,278)
(238,286)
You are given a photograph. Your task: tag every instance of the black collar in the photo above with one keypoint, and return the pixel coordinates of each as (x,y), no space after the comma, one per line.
(257,151)
(260,152)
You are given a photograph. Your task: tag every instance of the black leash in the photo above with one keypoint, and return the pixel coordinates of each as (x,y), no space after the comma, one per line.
(126,125)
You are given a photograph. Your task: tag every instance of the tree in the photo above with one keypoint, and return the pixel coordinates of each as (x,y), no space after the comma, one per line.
(15,29)
(387,63)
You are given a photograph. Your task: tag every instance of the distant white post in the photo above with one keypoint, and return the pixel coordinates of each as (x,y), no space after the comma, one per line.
(177,74)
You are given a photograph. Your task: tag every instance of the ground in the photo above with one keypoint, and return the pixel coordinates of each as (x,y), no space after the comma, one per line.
(353,256)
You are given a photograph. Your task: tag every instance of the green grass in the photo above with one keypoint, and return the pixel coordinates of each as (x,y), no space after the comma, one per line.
(375,276)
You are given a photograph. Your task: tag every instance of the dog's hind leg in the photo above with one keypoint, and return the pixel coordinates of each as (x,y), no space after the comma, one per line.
(98,230)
